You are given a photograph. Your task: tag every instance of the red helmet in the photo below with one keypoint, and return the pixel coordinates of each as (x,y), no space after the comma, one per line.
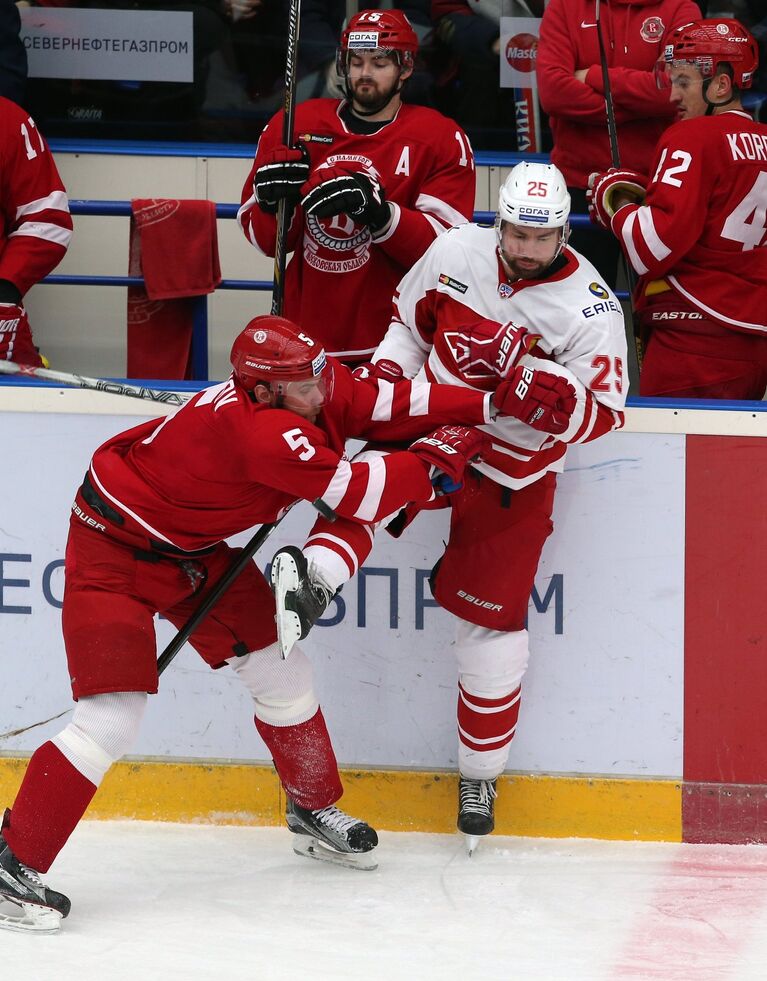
(273,349)
(386,29)
(708,43)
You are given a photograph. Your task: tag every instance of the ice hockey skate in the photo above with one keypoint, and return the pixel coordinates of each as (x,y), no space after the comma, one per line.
(300,597)
(476,810)
(329,835)
(26,904)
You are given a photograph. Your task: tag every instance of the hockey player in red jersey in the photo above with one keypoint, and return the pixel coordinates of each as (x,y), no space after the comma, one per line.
(35,226)
(697,236)
(483,304)
(147,535)
(374,181)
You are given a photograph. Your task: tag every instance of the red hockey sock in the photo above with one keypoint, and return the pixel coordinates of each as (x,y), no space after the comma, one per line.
(51,800)
(305,762)
(487,724)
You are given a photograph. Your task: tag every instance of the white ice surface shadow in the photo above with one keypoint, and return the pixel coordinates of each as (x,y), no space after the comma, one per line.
(167,901)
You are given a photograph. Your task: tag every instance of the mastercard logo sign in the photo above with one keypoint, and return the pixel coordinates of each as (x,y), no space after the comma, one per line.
(521,51)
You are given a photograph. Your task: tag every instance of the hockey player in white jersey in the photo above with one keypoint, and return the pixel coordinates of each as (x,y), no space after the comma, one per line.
(484,304)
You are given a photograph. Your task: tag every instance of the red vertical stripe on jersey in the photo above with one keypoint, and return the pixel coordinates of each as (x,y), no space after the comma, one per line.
(725,688)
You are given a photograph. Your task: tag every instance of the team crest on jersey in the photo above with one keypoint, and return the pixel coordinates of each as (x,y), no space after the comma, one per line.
(454,284)
(652,29)
(315,138)
(598,290)
(505,290)
(338,244)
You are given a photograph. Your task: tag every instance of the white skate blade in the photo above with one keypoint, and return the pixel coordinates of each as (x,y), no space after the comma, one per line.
(311,847)
(471,842)
(28,918)
(285,578)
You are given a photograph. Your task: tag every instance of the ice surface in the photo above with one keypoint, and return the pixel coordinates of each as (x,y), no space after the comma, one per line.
(168,901)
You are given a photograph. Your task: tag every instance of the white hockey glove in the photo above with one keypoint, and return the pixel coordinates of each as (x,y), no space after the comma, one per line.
(335,191)
(606,186)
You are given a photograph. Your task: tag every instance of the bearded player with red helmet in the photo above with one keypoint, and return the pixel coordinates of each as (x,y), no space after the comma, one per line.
(373,180)
(696,232)
(147,535)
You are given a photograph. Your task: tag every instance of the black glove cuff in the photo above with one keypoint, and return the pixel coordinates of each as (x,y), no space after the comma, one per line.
(378,217)
(9,293)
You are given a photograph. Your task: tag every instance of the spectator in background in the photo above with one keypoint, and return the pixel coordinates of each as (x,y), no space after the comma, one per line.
(35,226)
(13,56)
(697,236)
(756,22)
(376,182)
(468,31)
(572,93)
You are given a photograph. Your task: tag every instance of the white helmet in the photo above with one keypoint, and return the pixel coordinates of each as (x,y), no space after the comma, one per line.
(534,194)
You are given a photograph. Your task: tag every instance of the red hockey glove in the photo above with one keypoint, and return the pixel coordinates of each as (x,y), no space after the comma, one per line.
(386,369)
(488,348)
(281,175)
(450,449)
(336,191)
(16,336)
(607,186)
(542,400)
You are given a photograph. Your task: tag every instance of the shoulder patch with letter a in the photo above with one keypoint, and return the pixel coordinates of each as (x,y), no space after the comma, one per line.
(452,283)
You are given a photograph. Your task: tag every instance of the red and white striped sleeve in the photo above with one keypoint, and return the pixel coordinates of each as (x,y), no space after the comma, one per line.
(37,223)
(594,362)
(656,234)
(405,410)
(293,457)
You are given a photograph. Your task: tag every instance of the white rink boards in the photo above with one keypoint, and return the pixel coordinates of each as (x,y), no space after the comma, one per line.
(603,693)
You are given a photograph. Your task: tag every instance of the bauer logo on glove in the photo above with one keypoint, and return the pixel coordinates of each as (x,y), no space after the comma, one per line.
(537,397)
(487,348)
(449,450)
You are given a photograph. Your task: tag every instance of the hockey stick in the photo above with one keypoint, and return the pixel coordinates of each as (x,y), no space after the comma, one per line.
(215,595)
(612,129)
(284,211)
(194,620)
(95,384)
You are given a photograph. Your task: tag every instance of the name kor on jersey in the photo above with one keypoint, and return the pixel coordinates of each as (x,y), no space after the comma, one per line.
(9,326)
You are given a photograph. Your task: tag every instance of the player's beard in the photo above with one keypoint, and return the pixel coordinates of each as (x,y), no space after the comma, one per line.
(530,270)
(373,99)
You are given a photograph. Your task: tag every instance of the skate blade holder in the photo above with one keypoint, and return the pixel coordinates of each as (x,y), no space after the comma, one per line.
(28,917)
(311,847)
(285,578)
